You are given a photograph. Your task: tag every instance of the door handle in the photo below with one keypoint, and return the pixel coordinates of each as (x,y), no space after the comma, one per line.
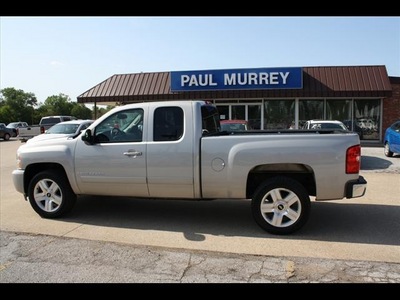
(133,153)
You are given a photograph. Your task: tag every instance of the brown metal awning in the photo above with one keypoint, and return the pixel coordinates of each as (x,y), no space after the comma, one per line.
(348,81)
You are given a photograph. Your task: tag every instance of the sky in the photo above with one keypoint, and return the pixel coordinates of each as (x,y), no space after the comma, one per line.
(47,56)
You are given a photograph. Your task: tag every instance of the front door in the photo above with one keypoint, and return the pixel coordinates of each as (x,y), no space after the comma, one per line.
(116,163)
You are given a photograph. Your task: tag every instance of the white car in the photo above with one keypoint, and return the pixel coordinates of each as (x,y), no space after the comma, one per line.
(16,126)
(325,124)
(62,129)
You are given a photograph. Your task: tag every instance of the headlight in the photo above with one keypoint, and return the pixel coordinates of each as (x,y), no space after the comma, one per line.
(19,162)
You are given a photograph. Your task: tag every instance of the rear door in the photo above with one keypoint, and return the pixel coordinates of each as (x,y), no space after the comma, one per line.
(170,158)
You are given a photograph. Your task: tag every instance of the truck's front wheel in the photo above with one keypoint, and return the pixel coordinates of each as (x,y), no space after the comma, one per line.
(50,194)
(281,205)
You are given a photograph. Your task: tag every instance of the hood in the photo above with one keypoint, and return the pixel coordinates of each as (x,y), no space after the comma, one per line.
(44,137)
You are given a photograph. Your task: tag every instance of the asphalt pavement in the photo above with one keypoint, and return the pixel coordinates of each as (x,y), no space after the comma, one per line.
(27,257)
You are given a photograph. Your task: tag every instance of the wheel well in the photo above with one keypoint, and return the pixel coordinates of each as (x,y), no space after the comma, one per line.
(34,169)
(299,172)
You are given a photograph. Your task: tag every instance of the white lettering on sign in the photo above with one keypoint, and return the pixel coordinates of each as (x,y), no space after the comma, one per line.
(273,78)
(284,76)
(201,80)
(232,79)
(184,79)
(255,78)
(263,78)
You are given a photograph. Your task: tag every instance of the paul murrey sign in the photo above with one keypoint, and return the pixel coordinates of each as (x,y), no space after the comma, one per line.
(235,79)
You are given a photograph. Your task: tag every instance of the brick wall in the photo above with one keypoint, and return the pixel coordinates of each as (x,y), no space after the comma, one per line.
(391,106)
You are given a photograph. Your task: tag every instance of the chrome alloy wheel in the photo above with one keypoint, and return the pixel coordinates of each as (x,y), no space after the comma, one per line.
(47,195)
(281,207)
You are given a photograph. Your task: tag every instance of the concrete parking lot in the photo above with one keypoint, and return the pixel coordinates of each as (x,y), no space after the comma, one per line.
(352,240)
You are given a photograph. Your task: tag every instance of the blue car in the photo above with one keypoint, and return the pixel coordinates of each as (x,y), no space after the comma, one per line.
(392,139)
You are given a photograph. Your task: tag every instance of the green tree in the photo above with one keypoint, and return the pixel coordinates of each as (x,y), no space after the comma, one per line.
(5,114)
(81,111)
(17,104)
(102,110)
(57,105)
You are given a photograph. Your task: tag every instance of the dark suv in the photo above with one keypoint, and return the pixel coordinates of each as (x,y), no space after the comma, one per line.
(5,132)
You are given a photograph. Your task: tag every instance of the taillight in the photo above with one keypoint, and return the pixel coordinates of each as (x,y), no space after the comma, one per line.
(42,129)
(353,159)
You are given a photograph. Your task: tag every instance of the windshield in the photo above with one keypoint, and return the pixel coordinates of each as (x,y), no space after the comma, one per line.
(12,125)
(63,129)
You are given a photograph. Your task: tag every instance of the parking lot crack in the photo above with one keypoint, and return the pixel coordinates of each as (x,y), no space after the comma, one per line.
(190,265)
(73,229)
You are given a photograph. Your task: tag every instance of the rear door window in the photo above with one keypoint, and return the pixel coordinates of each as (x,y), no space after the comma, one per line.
(168,124)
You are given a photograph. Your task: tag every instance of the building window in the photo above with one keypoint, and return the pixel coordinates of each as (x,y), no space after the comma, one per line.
(310,110)
(279,114)
(342,110)
(238,112)
(338,110)
(250,112)
(367,114)
(254,116)
(223,112)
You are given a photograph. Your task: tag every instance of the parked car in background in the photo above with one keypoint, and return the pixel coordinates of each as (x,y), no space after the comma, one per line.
(47,122)
(63,129)
(44,124)
(5,132)
(234,125)
(17,126)
(353,126)
(391,141)
(325,124)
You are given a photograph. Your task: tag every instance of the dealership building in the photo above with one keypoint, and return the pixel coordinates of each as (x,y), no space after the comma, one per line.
(365,98)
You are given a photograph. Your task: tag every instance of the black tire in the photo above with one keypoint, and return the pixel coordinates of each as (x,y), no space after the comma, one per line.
(288,216)
(6,137)
(50,194)
(386,150)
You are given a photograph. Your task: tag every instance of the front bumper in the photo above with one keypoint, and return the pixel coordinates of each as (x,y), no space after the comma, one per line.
(18,180)
(356,188)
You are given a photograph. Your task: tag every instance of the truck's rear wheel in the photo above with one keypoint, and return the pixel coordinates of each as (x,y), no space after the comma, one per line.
(281,205)
(50,194)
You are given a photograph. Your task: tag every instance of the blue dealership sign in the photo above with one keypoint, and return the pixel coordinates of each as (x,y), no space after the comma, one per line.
(237,79)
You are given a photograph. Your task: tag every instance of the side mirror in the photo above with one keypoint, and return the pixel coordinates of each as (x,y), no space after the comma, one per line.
(87,137)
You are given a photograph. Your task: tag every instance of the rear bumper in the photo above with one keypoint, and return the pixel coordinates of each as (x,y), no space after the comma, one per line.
(356,188)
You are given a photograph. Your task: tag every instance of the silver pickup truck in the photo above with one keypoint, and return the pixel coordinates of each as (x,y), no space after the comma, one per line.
(175,150)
